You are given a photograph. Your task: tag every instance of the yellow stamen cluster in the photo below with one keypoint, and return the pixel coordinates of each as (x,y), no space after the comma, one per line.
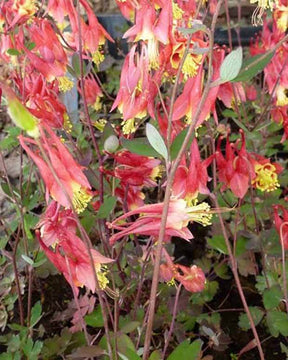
(102,272)
(65,84)
(171,282)
(100,124)
(128,126)
(26,7)
(282,96)
(97,57)
(67,125)
(81,198)
(191,65)
(266,177)
(157,172)
(97,105)
(177,11)
(200,213)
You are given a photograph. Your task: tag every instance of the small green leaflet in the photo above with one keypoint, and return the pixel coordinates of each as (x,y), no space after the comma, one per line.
(156,141)
(139,146)
(231,65)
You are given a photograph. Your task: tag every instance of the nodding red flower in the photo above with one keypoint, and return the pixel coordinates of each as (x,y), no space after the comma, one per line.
(152,27)
(241,168)
(130,196)
(278,65)
(73,182)
(149,221)
(192,278)
(137,91)
(135,169)
(53,61)
(127,8)
(71,257)
(58,9)
(235,169)
(42,100)
(93,34)
(186,103)
(280,115)
(93,92)
(55,223)
(281,224)
(17,12)
(188,182)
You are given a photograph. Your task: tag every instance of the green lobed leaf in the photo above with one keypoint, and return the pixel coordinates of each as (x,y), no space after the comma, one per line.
(272,297)
(156,140)
(277,322)
(107,207)
(252,66)
(257,315)
(231,65)
(129,327)
(139,146)
(185,350)
(218,243)
(95,319)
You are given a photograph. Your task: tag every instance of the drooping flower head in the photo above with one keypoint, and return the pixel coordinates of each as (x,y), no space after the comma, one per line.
(71,258)
(149,221)
(71,179)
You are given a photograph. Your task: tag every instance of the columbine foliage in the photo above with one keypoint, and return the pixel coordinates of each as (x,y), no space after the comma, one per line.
(144,200)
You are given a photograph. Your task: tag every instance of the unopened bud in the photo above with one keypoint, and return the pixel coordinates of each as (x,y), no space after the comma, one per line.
(111,144)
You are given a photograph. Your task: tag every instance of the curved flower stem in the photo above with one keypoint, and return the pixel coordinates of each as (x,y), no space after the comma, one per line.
(154,287)
(173,320)
(233,262)
(283,266)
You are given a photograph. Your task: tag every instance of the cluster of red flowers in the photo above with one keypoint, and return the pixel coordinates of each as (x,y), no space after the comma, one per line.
(160,47)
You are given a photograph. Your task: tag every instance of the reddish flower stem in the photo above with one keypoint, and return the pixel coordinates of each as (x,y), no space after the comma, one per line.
(283,266)
(154,287)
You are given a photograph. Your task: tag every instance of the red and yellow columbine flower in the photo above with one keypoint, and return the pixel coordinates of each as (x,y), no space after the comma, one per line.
(69,173)
(277,65)
(135,169)
(71,257)
(53,61)
(192,278)
(93,34)
(235,169)
(149,221)
(55,223)
(152,27)
(137,92)
(189,181)
(93,92)
(266,173)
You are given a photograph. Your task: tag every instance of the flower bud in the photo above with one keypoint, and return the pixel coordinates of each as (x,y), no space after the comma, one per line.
(111,144)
